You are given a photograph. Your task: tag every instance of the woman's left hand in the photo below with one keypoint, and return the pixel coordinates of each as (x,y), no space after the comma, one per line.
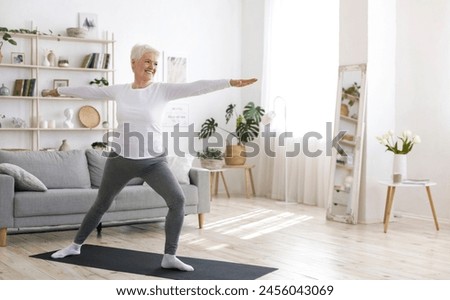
(242,82)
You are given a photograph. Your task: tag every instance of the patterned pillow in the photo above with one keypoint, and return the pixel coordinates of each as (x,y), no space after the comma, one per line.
(23,180)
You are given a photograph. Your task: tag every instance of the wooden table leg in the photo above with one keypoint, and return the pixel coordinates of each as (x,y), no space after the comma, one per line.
(251,182)
(211,184)
(389,207)
(387,203)
(225,184)
(216,183)
(247,182)
(432,207)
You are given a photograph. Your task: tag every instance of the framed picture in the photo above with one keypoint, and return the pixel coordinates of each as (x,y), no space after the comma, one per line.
(18,58)
(60,83)
(90,22)
(176,113)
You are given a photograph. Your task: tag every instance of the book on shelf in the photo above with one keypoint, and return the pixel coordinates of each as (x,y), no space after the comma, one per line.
(96,61)
(24,87)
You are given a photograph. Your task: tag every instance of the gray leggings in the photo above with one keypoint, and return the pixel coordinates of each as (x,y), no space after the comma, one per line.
(155,171)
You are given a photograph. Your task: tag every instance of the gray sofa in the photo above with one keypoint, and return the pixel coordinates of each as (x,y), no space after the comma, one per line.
(47,190)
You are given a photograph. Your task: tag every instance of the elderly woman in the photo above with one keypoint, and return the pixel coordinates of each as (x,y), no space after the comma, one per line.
(140,106)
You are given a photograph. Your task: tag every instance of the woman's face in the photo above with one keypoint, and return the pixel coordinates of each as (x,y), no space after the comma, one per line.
(145,68)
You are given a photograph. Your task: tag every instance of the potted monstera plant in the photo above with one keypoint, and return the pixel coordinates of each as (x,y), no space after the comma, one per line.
(247,126)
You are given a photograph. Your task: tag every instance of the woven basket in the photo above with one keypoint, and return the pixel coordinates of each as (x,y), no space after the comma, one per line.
(235,155)
(89,116)
(212,164)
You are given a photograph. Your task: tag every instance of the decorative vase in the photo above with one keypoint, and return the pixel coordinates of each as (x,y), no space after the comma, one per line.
(4,91)
(64,146)
(45,61)
(400,166)
(1,56)
(51,57)
(235,155)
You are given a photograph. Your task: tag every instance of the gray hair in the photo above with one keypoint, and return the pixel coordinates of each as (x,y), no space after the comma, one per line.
(139,49)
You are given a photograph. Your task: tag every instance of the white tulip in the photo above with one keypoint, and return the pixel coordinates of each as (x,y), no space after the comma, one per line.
(407,134)
(384,142)
(391,132)
(416,139)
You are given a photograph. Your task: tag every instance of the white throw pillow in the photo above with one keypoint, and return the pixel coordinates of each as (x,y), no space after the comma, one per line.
(24,181)
(180,167)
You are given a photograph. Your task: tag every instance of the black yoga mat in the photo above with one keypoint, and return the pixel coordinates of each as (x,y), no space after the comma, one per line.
(147,263)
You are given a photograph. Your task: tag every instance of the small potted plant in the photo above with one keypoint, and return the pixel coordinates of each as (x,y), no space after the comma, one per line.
(351,94)
(246,130)
(99,82)
(211,158)
(99,146)
(7,38)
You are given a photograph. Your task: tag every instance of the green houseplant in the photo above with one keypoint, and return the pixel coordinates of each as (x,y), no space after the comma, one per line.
(211,158)
(246,130)
(351,94)
(99,82)
(6,37)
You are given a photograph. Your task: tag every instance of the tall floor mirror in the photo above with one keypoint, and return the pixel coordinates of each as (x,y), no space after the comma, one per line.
(343,196)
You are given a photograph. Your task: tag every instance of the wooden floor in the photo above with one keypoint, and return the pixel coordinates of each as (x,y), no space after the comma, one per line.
(296,239)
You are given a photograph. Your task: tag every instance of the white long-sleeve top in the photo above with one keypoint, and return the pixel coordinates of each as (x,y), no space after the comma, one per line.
(140,111)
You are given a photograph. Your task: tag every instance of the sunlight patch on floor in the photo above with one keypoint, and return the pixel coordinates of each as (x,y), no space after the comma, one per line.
(217,247)
(236,219)
(269,228)
(191,239)
(256,223)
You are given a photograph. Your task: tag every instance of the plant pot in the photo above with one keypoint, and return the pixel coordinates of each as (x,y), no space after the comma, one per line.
(235,155)
(211,164)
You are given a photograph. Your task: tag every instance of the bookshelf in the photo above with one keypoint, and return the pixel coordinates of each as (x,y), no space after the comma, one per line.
(88,59)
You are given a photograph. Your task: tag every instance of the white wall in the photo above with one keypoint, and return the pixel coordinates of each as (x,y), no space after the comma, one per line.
(353,34)
(408,46)
(380,112)
(422,99)
(207,32)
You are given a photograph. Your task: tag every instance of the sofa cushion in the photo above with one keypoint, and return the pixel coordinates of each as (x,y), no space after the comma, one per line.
(78,201)
(180,167)
(96,163)
(23,181)
(56,169)
(53,202)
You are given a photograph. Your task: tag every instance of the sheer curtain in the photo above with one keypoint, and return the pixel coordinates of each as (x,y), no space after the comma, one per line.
(299,85)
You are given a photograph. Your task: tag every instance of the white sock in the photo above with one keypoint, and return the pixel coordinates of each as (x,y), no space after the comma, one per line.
(172,262)
(72,249)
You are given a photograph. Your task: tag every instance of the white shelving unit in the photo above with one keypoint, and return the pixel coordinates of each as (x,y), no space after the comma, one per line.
(346,166)
(35,108)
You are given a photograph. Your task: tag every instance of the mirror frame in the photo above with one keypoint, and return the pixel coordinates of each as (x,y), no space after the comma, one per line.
(351,214)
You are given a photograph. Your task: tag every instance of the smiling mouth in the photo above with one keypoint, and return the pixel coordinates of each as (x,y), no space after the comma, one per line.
(149,72)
